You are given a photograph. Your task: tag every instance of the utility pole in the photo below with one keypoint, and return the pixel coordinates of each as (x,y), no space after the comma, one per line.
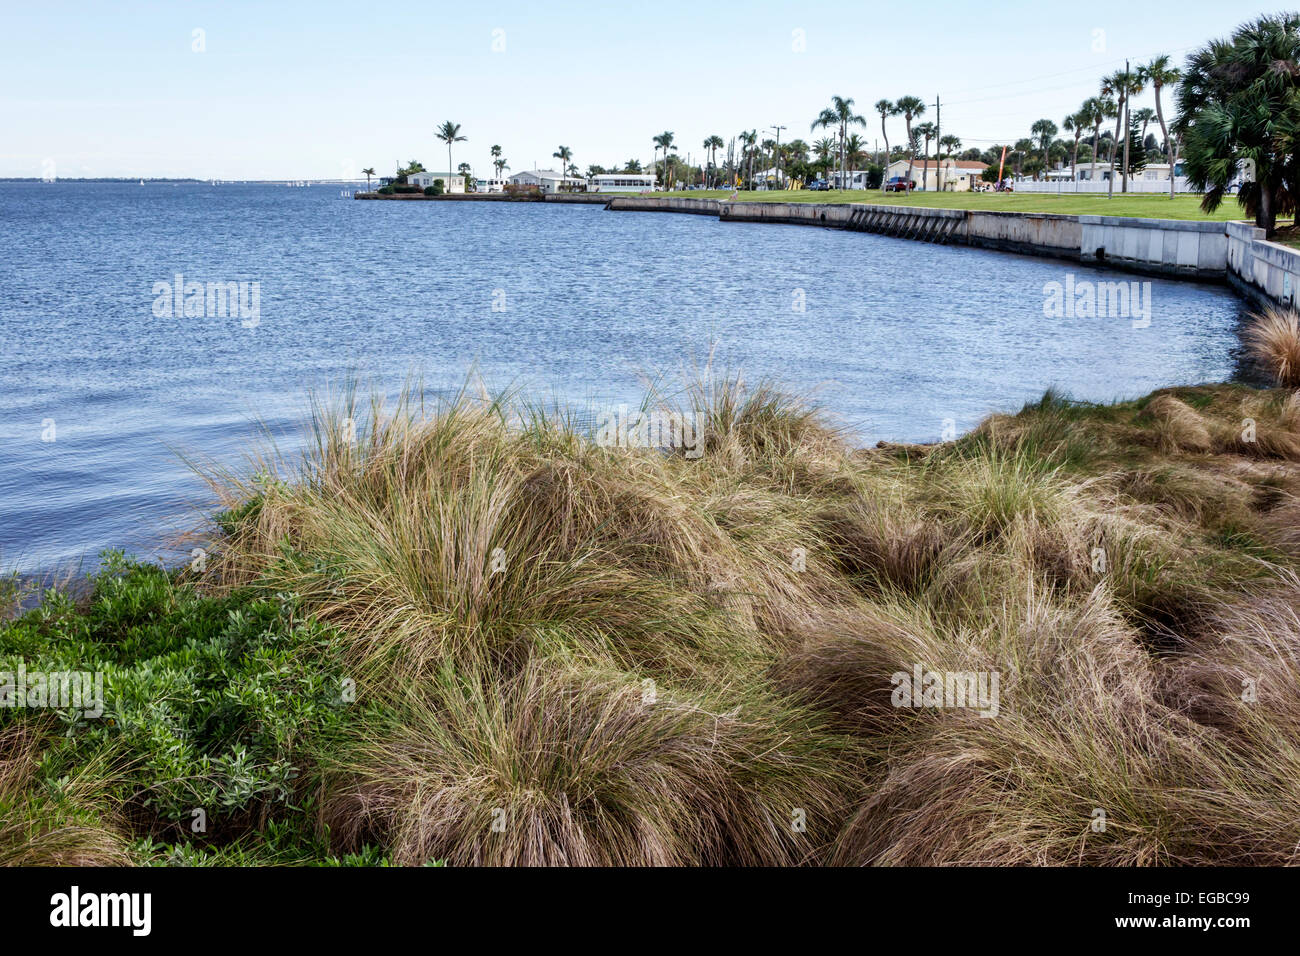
(779,164)
(938,131)
(1127,127)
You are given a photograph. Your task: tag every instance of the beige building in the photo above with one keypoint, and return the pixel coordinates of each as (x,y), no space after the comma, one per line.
(954,175)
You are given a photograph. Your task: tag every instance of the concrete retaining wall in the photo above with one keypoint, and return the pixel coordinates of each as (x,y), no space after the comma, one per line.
(1007,231)
(1265,272)
(580,199)
(1038,234)
(700,207)
(797,213)
(1195,249)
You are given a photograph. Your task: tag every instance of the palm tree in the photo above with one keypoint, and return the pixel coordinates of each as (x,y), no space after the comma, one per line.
(950,143)
(839,113)
(663,141)
(449,133)
(1124,85)
(1075,123)
(564,155)
(824,149)
(632,166)
(766,149)
(1022,150)
(1159,74)
(925,131)
(1101,108)
(855,150)
(885,109)
(500,164)
(1043,130)
(748,139)
(368,172)
(713,144)
(1236,104)
(1144,116)
(911,107)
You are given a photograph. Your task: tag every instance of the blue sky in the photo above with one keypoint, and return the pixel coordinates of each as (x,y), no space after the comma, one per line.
(319,90)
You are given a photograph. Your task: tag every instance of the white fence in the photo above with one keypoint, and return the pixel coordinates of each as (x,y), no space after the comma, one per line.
(1065,187)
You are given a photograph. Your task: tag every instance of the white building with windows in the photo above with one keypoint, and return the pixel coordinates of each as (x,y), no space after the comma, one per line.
(1089,178)
(855,179)
(622,183)
(548,180)
(452,184)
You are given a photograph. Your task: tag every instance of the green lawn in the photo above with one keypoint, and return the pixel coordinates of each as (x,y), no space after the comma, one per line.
(1146,205)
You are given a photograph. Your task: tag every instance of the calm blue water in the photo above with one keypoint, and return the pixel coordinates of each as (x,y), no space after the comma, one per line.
(895,336)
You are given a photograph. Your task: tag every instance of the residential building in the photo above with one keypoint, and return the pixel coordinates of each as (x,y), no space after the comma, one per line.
(548,180)
(622,183)
(450,183)
(953,175)
(855,179)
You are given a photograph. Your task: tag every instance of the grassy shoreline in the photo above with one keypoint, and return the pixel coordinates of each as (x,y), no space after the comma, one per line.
(1145,206)
(1131,205)
(473,636)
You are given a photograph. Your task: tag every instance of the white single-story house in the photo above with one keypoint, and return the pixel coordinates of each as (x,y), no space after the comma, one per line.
(622,182)
(547,180)
(855,179)
(1151,172)
(770,178)
(452,184)
(953,175)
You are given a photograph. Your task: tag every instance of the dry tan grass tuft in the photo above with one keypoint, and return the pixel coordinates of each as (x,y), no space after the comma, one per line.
(1178,426)
(1102,561)
(1273,340)
(38,828)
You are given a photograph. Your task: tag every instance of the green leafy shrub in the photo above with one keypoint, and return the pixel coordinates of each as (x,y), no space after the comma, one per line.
(206,699)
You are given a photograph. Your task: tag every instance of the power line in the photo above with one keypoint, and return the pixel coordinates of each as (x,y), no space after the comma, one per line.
(1092,68)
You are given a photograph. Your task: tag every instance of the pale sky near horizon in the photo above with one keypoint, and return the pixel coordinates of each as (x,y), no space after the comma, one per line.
(320,90)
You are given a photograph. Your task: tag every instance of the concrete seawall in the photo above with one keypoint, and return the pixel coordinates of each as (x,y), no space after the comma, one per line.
(1264,272)
(1194,250)
(699,207)
(1198,250)
(1233,252)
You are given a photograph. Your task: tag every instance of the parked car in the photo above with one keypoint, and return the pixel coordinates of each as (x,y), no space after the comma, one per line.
(819,184)
(900,184)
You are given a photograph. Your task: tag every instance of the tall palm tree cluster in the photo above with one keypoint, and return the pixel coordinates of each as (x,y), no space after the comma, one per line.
(1236,123)
(1125,147)
(1239,106)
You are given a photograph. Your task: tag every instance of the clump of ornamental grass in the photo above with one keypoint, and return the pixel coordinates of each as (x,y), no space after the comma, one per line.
(1273,340)
(1179,427)
(560,764)
(509,592)
(66,824)
(1082,760)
